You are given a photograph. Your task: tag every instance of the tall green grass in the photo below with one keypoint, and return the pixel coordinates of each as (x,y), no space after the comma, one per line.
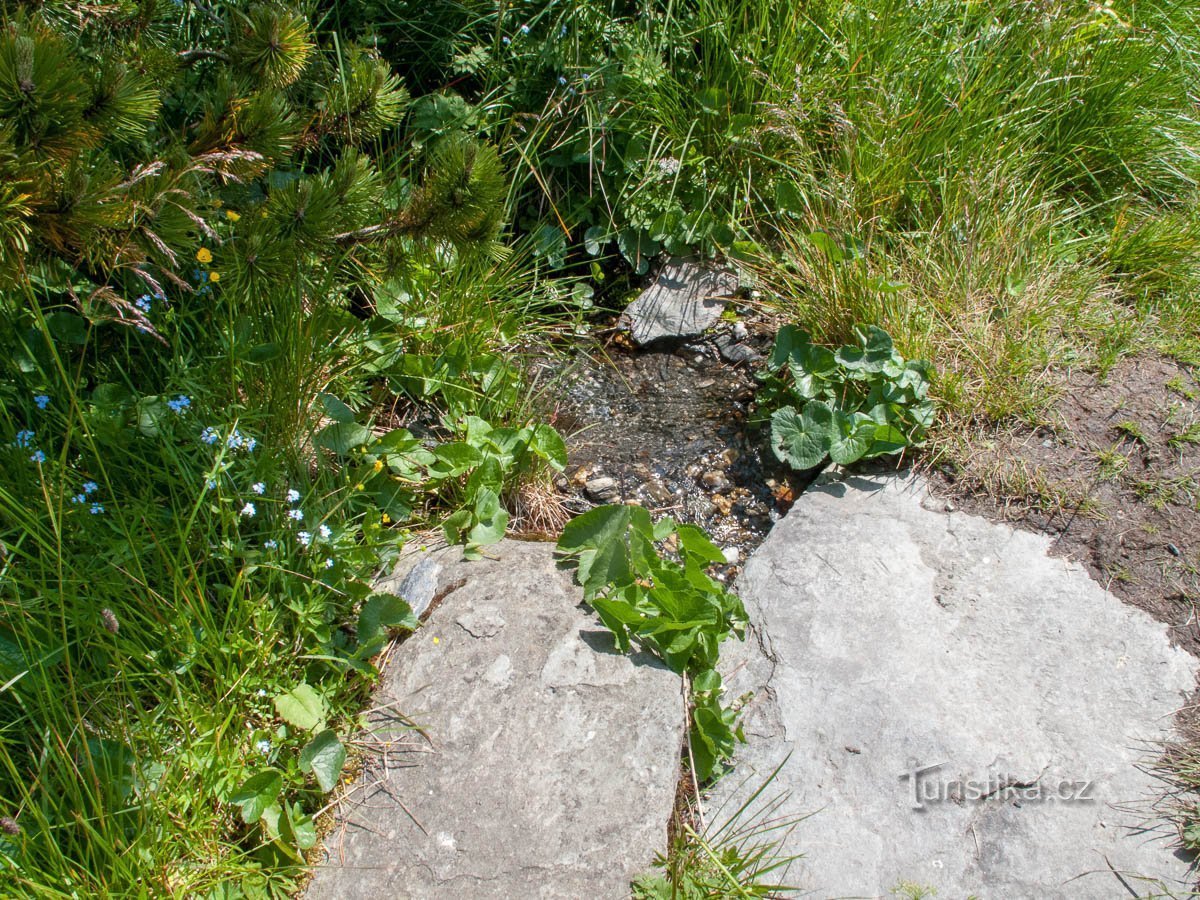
(1012,187)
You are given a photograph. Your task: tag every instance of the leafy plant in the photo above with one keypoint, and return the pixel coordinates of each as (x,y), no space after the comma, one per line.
(670,606)
(856,402)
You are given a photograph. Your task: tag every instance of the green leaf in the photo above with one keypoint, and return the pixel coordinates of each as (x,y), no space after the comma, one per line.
(827,245)
(151,413)
(455,525)
(262,353)
(549,445)
(789,199)
(855,435)
(708,680)
(303,707)
(454,459)
(336,409)
(786,341)
(874,353)
(696,543)
(304,831)
(598,538)
(324,756)
(802,440)
(342,437)
(491,518)
(382,611)
(258,792)
(594,239)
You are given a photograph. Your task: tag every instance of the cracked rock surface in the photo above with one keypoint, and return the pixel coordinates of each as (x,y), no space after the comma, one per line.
(512,753)
(964,713)
(685,298)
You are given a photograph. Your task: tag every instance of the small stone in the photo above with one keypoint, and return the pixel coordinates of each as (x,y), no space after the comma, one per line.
(739,332)
(659,492)
(732,555)
(734,352)
(729,456)
(715,480)
(723,504)
(602,488)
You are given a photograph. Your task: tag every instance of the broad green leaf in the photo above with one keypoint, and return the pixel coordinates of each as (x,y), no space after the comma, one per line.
(336,409)
(343,437)
(708,680)
(874,353)
(802,440)
(786,341)
(549,445)
(491,518)
(475,429)
(827,245)
(488,474)
(324,756)
(455,525)
(888,439)
(454,459)
(296,829)
(598,538)
(258,792)
(696,542)
(303,707)
(855,435)
(594,239)
(382,611)
(398,440)
(788,198)
(392,498)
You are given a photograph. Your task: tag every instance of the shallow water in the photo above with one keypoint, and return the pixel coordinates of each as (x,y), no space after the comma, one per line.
(670,427)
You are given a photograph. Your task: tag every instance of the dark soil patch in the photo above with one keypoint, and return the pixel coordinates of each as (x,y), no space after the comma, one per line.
(1114,477)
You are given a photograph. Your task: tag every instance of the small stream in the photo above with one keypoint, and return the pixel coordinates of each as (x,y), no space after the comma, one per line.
(668,429)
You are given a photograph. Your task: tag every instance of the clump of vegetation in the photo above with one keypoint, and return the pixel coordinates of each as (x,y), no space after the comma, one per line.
(742,855)
(266,270)
(671,607)
(856,402)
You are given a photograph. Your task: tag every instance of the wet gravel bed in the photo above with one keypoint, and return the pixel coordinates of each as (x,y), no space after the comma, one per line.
(668,429)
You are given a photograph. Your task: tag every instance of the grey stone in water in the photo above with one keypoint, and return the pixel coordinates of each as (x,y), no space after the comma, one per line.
(513,753)
(602,488)
(964,712)
(687,297)
(732,351)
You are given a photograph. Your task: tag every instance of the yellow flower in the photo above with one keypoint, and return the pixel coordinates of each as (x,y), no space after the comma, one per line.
(379,465)
(214,276)
(204,255)
(385,519)
(231,215)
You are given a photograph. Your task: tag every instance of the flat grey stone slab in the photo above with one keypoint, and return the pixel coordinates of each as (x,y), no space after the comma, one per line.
(964,713)
(686,297)
(545,764)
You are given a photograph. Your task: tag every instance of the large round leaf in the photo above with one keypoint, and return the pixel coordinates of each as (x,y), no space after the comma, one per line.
(855,435)
(802,440)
